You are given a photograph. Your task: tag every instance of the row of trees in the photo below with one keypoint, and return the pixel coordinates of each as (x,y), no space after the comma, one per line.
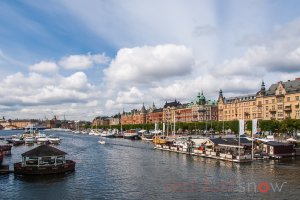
(274,126)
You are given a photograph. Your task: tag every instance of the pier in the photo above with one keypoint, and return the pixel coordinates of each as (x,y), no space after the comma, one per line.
(212,155)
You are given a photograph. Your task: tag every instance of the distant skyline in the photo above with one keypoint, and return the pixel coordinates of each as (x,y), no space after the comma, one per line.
(82,59)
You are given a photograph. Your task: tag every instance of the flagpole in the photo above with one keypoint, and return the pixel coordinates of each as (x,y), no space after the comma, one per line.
(252,152)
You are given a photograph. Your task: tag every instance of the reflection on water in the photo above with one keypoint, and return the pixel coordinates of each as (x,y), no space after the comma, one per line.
(124,169)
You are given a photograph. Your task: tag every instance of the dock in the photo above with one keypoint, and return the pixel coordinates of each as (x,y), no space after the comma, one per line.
(243,160)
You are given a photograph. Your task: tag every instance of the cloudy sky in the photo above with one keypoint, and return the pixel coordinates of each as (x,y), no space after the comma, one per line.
(80,59)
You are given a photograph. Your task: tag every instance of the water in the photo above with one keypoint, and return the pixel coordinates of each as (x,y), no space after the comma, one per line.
(123,169)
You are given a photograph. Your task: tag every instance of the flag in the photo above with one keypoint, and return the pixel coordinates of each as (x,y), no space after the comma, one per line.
(254,126)
(241,127)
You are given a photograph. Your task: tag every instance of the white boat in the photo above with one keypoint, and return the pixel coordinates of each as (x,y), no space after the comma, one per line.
(54,139)
(101,142)
(131,134)
(108,134)
(29,140)
(94,132)
(76,132)
(41,138)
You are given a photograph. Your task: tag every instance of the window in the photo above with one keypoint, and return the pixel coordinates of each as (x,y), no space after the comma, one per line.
(267,101)
(253,103)
(273,100)
(288,99)
(273,107)
(297,113)
(297,98)
(279,107)
(267,107)
(279,100)
(280,114)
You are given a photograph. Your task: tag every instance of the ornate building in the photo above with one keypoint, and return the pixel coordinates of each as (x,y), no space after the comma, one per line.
(280,101)
(204,110)
(169,111)
(135,116)
(154,115)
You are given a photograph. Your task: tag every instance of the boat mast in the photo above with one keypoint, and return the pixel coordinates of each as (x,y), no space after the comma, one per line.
(210,124)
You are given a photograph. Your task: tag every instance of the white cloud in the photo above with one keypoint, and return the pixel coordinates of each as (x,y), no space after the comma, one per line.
(132,96)
(150,63)
(81,62)
(44,67)
(35,89)
(279,52)
(77,81)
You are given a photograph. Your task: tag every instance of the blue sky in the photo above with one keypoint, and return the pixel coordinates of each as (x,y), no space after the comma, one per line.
(86,58)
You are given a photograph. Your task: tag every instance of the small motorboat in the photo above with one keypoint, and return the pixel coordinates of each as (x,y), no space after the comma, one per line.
(54,139)
(101,141)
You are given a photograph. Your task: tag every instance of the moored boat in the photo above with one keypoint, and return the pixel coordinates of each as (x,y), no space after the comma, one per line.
(108,134)
(29,140)
(15,140)
(159,139)
(44,160)
(131,134)
(54,139)
(41,138)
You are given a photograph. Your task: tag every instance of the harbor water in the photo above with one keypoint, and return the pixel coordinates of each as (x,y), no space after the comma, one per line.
(125,169)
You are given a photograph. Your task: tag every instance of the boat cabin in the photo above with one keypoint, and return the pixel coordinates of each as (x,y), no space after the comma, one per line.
(229,146)
(273,148)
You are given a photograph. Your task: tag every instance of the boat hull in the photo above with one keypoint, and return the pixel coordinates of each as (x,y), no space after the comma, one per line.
(69,166)
(108,135)
(132,137)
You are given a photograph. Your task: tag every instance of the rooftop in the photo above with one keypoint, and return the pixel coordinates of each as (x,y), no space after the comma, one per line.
(44,150)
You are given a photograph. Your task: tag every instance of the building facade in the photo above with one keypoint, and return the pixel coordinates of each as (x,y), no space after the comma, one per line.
(279,102)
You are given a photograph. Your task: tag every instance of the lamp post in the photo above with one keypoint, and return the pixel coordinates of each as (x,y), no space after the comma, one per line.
(203,111)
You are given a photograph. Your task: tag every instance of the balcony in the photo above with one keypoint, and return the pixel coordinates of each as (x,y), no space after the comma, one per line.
(288,108)
(279,95)
(272,110)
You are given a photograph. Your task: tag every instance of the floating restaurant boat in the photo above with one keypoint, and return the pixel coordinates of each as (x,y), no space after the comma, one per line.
(44,160)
